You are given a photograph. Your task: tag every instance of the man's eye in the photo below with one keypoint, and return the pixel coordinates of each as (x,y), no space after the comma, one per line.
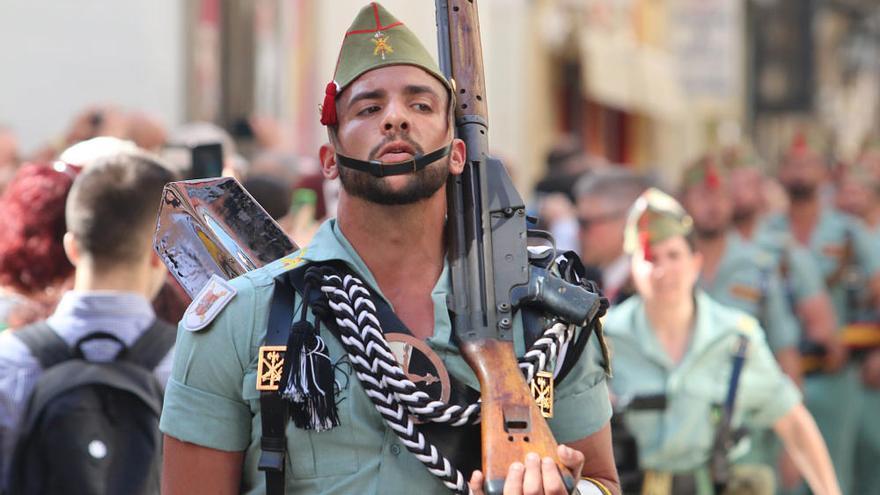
(368,110)
(422,107)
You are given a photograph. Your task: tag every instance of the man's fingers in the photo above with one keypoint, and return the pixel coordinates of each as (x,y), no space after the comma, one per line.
(552,480)
(572,459)
(513,484)
(533,483)
(476,483)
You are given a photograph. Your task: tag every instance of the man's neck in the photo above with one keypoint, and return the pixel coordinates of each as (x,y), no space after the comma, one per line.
(672,324)
(746,226)
(712,248)
(401,245)
(132,278)
(803,216)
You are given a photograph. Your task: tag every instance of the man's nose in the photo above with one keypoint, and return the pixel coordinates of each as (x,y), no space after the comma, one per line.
(395,118)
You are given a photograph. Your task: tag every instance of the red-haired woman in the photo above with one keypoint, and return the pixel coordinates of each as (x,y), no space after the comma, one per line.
(33,266)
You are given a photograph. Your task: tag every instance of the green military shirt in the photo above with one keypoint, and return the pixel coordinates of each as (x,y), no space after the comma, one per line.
(748,279)
(834,236)
(679,438)
(211,399)
(800,275)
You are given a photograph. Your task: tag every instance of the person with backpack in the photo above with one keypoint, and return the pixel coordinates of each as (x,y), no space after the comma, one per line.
(81,392)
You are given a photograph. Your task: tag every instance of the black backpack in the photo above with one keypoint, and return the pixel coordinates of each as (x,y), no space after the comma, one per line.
(91,428)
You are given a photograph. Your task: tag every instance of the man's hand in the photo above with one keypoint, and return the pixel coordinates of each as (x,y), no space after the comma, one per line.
(871,370)
(836,355)
(537,476)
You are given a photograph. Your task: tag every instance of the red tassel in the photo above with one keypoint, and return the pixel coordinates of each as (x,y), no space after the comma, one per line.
(645,241)
(328,109)
(713,180)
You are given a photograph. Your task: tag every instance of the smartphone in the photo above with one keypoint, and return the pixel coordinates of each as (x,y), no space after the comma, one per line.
(207,161)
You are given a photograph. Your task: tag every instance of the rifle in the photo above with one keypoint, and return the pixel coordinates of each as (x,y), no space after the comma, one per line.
(489,268)
(725,436)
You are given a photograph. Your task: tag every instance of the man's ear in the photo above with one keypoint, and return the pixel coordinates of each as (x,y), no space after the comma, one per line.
(327,155)
(70,248)
(457,157)
(155,259)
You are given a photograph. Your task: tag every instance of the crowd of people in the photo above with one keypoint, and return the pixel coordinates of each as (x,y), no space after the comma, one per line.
(802,264)
(743,325)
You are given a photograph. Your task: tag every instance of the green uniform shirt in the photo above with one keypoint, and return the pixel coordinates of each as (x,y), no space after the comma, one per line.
(829,242)
(679,439)
(800,275)
(748,279)
(211,399)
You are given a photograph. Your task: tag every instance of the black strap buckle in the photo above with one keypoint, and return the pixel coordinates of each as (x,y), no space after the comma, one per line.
(273,454)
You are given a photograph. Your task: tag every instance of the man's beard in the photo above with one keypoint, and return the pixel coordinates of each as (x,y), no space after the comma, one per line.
(743,214)
(799,191)
(420,185)
(709,232)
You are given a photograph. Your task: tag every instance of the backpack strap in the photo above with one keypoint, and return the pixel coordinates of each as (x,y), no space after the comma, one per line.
(46,345)
(153,345)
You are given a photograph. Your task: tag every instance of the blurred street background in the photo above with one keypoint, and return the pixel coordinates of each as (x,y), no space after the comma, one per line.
(644,83)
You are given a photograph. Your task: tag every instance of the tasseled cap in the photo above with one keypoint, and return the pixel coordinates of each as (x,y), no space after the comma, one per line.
(707,171)
(654,217)
(375,39)
(806,145)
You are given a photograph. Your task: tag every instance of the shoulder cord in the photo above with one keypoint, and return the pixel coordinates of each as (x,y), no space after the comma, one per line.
(395,397)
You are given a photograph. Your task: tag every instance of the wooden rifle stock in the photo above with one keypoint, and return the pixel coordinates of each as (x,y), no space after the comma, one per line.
(488,259)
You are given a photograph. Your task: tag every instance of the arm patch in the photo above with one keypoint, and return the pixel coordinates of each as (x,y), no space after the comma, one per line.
(208,303)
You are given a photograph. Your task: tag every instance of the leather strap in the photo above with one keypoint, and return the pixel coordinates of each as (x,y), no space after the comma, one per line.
(381,169)
(273,408)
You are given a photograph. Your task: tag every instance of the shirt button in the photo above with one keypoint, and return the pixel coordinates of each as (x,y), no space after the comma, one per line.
(395,449)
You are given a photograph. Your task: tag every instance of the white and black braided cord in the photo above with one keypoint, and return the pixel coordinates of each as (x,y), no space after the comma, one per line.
(395,397)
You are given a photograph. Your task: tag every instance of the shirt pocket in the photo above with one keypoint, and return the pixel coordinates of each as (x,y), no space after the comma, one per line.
(311,454)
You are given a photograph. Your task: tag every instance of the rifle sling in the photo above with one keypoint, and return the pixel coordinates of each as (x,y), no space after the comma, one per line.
(274,409)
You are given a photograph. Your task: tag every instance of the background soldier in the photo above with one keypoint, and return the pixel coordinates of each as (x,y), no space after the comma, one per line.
(838,244)
(673,339)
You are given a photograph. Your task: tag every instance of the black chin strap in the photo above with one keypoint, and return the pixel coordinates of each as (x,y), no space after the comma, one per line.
(381,169)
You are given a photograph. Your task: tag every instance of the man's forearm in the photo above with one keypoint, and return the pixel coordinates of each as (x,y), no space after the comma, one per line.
(804,443)
(599,458)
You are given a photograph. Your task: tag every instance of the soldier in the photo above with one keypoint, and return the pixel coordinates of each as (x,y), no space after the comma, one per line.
(673,339)
(804,287)
(859,193)
(388,103)
(603,198)
(735,272)
(838,245)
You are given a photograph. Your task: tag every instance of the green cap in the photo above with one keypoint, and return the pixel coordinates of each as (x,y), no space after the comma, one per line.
(375,39)
(706,171)
(654,217)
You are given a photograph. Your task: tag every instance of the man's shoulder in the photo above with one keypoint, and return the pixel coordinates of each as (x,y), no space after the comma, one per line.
(248,292)
(621,317)
(14,354)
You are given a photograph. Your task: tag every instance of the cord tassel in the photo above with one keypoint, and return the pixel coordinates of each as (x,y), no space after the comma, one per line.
(309,378)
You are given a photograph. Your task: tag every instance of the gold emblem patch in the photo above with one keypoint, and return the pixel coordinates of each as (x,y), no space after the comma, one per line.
(269,366)
(542,391)
(742,291)
(382,44)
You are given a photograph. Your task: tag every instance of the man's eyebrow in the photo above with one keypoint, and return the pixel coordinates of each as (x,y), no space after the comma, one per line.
(415,89)
(367,95)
